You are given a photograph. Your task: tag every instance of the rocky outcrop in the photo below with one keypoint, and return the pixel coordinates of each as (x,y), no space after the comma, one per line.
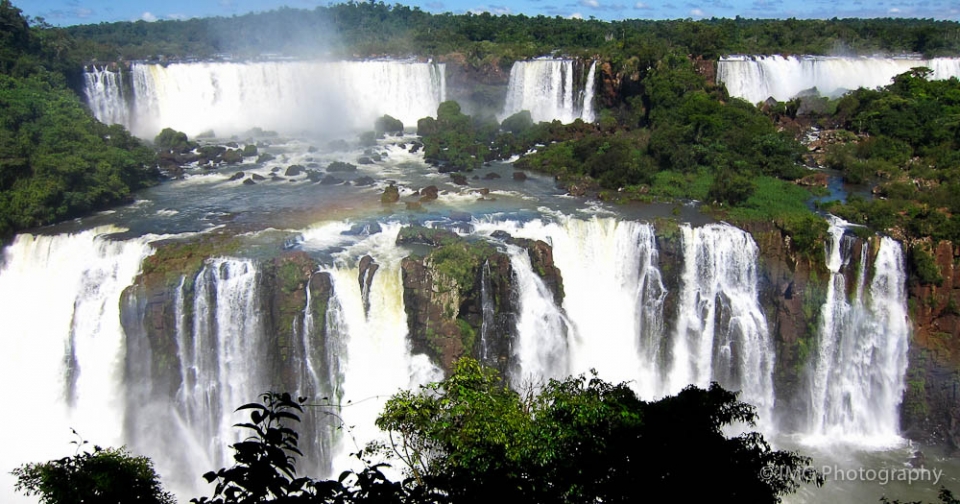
(368,268)
(792,290)
(161,302)
(459,296)
(931,407)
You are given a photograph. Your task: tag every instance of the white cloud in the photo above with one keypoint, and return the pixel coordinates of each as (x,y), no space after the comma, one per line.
(177,17)
(148,17)
(576,15)
(642,6)
(593,4)
(893,11)
(697,13)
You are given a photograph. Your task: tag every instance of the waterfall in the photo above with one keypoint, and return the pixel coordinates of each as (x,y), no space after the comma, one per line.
(614,295)
(857,382)
(551,89)
(375,355)
(63,297)
(290,96)
(721,331)
(487,312)
(542,352)
(589,89)
(755,78)
(222,369)
(62,347)
(105,95)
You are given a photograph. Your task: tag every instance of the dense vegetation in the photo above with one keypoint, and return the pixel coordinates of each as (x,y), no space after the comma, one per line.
(56,160)
(470,439)
(905,138)
(375,28)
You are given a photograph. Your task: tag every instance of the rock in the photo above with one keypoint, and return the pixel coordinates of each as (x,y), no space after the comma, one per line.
(387,124)
(482,191)
(413,205)
(232,145)
(429,193)
(491,176)
(456,215)
(265,157)
(232,156)
(236,176)
(390,195)
(415,147)
(419,235)
(817,179)
(459,178)
(367,268)
(519,176)
(294,170)
(248,182)
(315,176)
(331,180)
(501,235)
(275,169)
(340,166)
(313,165)
(364,181)
(249,150)
(364,160)
(257,177)
(363,229)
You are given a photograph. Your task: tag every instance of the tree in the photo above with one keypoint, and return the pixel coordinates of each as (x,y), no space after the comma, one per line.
(583,440)
(103,476)
(265,468)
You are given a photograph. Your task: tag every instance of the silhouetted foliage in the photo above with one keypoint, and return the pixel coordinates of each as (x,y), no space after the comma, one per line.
(103,476)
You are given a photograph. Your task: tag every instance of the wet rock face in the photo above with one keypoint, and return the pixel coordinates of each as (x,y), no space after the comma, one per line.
(460,297)
(931,406)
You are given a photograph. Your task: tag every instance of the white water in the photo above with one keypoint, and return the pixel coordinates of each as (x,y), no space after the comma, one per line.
(62,348)
(549,89)
(721,331)
(105,95)
(614,299)
(288,96)
(541,350)
(611,318)
(376,359)
(857,382)
(755,78)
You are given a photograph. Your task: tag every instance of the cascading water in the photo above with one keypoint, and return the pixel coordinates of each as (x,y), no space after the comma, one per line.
(375,354)
(721,331)
(105,95)
(857,381)
(61,353)
(613,294)
(542,351)
(613,317)
(551,89)
(289,96)
(487,312)
(755,78)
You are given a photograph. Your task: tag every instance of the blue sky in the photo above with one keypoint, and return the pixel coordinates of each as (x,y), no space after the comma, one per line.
(69,12)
